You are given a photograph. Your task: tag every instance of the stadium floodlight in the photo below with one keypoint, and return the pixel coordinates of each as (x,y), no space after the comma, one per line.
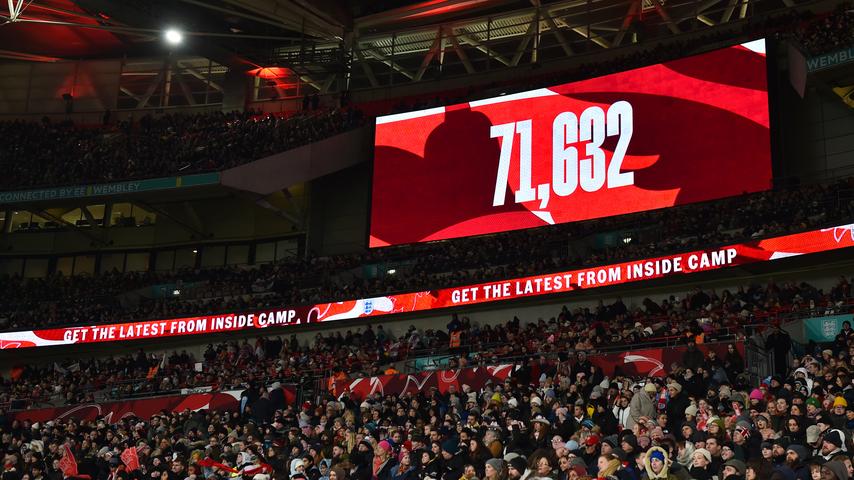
(173,36)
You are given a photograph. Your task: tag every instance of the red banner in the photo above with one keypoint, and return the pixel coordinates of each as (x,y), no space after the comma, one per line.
(399,384)
(652,362)
(580,279)
(689,130)
(111,412)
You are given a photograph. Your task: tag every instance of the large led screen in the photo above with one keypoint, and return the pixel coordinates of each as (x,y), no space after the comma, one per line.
(689,130)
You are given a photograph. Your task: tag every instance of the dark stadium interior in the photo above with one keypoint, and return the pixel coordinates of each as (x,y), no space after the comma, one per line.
(426,239)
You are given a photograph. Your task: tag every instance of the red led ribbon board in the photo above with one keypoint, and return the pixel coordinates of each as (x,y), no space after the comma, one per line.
(689,130)
(755,251)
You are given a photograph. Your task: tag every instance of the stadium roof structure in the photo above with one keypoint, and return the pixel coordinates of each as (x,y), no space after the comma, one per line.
(369,43)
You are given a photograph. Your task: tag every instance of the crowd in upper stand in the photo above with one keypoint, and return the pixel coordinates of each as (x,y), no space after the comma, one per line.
(717,315)
(59,300)
(60,153)
(828,34)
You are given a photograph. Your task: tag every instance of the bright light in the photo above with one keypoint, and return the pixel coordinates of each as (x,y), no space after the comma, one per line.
(195,250)
(391,271)
(173,37)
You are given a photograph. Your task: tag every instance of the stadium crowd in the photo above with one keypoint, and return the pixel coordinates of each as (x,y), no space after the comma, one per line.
(714,315)
(59,300)
(556,420)
(829,33)
(53,154)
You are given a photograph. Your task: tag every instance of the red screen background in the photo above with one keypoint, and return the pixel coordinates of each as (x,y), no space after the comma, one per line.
(701,132)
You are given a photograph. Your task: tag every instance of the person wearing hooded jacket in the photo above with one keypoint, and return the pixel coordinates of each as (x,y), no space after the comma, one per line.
(832,444)
(796,457)
(657,465)
(834,470)
(453,465)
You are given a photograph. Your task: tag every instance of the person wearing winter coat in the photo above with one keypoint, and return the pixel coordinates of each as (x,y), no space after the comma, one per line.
(383,462)
(700,468)
(453,464)
(642,405)
(622,411)
(404,469)
(657,465)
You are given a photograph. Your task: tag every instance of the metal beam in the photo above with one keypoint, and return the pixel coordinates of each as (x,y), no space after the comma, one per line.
(188,94)
(129,93)
(394,66)
(311,81)
(743,10)
(666,17)
(557,33)
(523,45)
(429,56)
(627,22)
(706,20)
(461,53)
(483,48)
(153,87)
(192,71)
(365,67)
(592,37)
(730,8)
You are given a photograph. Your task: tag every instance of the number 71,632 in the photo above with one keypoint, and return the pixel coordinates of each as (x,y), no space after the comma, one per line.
(568,170)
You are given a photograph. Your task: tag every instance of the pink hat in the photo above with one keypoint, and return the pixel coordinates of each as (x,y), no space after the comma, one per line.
(756,394)
(385,446)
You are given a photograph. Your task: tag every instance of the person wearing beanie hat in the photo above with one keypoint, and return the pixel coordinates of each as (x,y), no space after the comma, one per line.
(834,470)
(676,405)
(685,455)
(734,469)
(701,465)
(691,412)
(796,460)
(404,469)
(517,468)
(383,461)
(494,469)
(837,416)
(657,464)
(832,444)
(453,465)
